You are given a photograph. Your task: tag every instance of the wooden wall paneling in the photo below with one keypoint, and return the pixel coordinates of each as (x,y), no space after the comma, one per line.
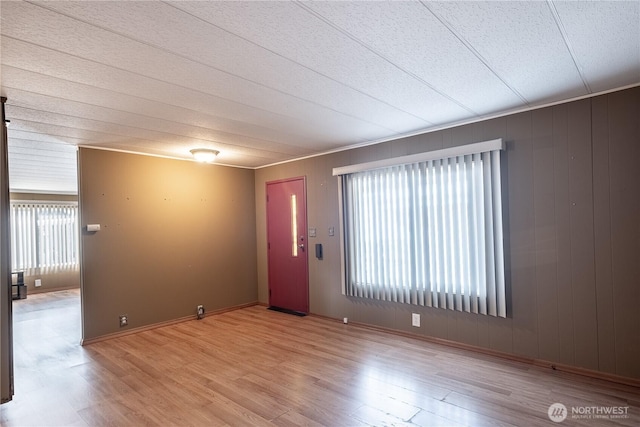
(321,212)
(494,128)
(602,233)
(261,235)
(467,328)
(477,131)
(315,219)
(459,135)
(340,305)
(425,142)
(563,236)
(331,244)
(582,242)
(371,153)
(546,283)
(398,147)
(624,151)
(452,327)
(372,311)
(447,138)
(482,329)
(521,234)
(434,323)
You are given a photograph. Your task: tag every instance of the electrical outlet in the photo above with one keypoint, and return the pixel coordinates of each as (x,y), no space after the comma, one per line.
(124,320)
(345,320)
(200,312)
(38,283)
(415,320)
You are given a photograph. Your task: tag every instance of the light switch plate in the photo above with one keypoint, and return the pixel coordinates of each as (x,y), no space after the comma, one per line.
(312,232)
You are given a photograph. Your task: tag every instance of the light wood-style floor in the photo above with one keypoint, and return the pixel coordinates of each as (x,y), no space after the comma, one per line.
(257,367)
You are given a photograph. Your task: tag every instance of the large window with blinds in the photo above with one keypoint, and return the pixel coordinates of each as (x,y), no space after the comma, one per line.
(44,236)
(426,229)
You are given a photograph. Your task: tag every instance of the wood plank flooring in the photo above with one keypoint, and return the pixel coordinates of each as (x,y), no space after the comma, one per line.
(257,367)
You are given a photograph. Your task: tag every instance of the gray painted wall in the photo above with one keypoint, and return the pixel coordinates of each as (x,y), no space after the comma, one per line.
(572,190)
(174,234)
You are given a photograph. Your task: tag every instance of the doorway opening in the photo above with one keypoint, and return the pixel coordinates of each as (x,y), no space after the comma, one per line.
(45,259)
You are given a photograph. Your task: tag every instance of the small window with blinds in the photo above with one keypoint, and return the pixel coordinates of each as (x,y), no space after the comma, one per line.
(44,236)
(426,229)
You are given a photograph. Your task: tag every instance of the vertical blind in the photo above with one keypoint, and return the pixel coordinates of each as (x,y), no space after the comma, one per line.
(427,233)
(44,235)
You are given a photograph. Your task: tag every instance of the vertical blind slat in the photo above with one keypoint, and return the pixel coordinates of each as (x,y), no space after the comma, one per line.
(44,235)
(428,233)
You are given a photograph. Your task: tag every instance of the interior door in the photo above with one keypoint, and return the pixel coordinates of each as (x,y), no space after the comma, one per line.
(287,245)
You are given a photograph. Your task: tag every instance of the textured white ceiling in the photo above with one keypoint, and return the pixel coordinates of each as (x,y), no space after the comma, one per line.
(264,82)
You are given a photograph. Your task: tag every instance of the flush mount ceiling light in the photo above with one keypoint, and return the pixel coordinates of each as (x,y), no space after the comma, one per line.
(204,155)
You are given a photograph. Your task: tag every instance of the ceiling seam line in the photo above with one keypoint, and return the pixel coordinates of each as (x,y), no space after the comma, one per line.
(135,114)
(567,43)
(97,121)
(62,175)
(301,65)
(199,91)
(223,144)
(475,52)
(232,74)
(145,99)
(128,126)
(53,163)
(52,170)
(26,153)
(380,55)
(41,150)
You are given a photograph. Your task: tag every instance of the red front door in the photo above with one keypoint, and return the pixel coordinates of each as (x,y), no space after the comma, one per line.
(287,244)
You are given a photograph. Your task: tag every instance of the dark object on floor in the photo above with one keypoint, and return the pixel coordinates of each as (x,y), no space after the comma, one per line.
(17,282)
(286,310)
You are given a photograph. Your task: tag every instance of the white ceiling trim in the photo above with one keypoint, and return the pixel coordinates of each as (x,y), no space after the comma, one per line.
(161,156)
